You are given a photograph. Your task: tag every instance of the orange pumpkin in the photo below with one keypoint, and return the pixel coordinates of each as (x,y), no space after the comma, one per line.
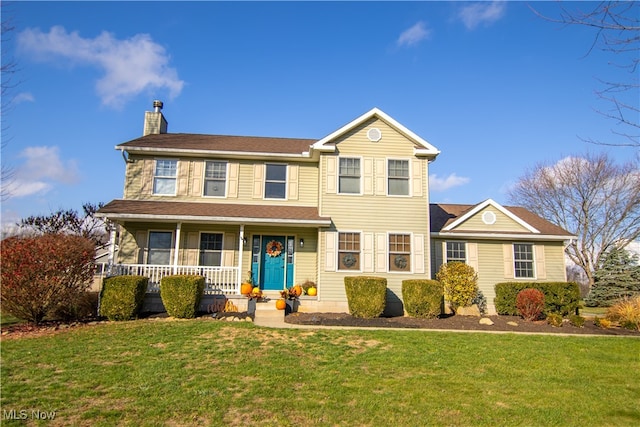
(312,291)
(296,290)
(281,304)
(245,288)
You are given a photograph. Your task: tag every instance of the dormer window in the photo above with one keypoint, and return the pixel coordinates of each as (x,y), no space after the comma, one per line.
(164,177)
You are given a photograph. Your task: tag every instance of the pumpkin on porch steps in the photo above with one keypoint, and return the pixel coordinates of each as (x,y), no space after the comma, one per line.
(246,288)
(281,304)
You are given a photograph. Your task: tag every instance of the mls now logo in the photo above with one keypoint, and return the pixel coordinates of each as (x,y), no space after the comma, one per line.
(23,414)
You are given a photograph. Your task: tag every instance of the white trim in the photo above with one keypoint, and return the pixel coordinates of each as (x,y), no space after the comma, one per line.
(198,153)
(426,150)
(480,206)
(445,259)
(500,236)
(533,261)
(153,178)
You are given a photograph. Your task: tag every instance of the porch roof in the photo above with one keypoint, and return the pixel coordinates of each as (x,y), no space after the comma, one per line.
(156,211)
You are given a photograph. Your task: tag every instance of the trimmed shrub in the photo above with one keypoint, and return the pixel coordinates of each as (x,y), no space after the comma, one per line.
(181,294)
(422,298)
(530,303)
(122,296)
(554,319)
(40,273)
(626,312)
(460,283)
(366,295)
(576,320)
(559,297)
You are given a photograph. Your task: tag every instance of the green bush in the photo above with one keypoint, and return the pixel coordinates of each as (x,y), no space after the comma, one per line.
(577,320)
(559,297)
(121,296)
(554,319)
(460,283)
(181,294)
(84,306)
(366,296)
(422,298)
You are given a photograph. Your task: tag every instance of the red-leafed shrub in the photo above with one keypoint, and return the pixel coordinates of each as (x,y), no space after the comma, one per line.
(530,303)
(41,273)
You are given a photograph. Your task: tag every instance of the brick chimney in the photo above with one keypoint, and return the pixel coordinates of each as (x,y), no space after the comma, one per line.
(154,121)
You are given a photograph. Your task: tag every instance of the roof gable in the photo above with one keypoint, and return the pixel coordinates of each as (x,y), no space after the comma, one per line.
(422,147)
(455,219)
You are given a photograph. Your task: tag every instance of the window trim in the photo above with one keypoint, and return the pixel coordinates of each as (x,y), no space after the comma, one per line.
(226,179)
(286,181)
(388,176)
(360,256)
(410,254)
(533,261)
(446,251)
(175,178)
(171,245)
(221,247)
(360,177)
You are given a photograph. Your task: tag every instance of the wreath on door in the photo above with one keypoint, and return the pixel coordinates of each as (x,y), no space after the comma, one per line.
(274,248)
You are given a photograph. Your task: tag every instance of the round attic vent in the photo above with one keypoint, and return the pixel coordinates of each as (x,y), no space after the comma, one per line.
(489,218)
(374,134)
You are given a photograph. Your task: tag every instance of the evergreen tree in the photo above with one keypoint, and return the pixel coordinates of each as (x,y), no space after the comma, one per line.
(618,277)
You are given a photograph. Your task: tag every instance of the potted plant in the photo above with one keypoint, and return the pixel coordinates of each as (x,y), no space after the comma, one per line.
(290,296)
(254,296)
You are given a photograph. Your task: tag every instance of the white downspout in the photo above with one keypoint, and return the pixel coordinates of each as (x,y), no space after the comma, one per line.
(176,248)
(240,253)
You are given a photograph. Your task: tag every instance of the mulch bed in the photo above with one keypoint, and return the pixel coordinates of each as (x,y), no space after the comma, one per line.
(455,322)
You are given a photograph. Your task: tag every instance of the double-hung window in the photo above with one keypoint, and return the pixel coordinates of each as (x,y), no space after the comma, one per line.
(398,177)
(349,251)
(399,252)
(349,176)
(215,179)
(164,177)
(275,185)
(159,247)
(211,249)
(456,252)
(523,260)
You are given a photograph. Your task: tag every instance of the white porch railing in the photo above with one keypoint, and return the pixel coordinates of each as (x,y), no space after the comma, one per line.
(217,280)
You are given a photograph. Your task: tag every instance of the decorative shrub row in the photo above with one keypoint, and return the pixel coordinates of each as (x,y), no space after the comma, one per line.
(121,297)
(366,295)
(181,294)
(423,298)
(559,297)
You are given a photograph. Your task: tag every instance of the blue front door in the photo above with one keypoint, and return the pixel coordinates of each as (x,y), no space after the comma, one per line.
(274,252)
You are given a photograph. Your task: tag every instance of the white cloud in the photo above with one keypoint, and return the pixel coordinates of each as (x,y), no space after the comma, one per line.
(23,97)
(442,184)
(414,35)
(41,170)
(130,66)
(485,13)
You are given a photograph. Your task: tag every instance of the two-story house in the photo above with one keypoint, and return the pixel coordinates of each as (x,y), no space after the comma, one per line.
(283,211)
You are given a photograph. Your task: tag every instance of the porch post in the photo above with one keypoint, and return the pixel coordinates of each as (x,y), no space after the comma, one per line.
(240,251)
(112,245)
(176,248)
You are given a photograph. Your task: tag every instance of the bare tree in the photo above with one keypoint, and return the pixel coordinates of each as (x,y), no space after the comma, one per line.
(71,222)
(589,196)
(617,31)
(8,69)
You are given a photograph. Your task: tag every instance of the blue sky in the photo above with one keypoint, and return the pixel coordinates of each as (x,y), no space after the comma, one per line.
(494,87)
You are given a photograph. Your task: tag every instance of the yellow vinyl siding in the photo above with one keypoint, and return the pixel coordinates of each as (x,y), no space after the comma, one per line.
(503,223)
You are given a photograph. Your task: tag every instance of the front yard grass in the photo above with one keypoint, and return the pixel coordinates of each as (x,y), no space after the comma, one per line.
(202,372)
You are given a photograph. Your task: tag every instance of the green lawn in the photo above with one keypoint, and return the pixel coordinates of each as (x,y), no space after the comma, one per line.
(202,372)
